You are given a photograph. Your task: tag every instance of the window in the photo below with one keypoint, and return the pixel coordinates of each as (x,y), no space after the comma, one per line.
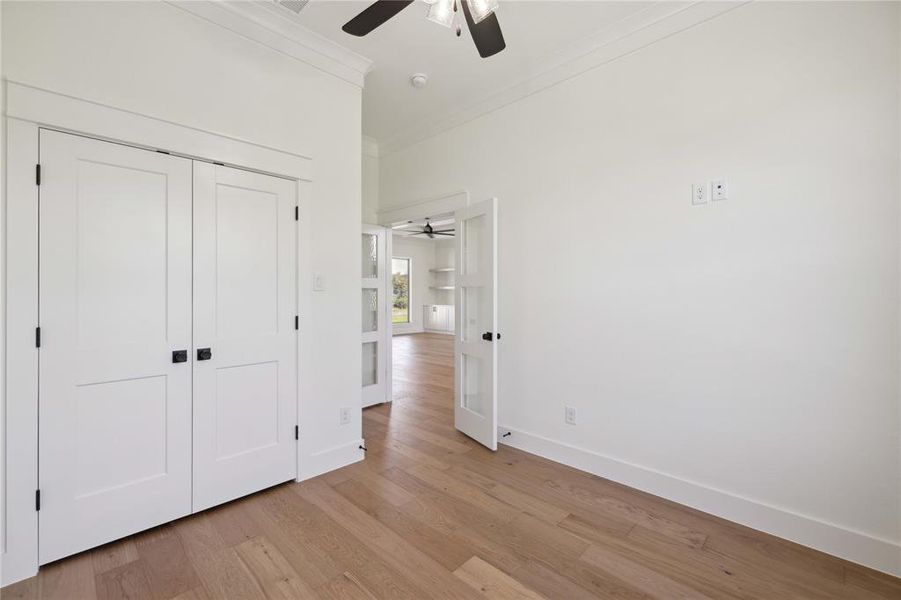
(400,282)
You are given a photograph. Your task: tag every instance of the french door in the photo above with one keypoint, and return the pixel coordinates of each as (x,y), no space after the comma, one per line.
(475,344)
(167,378)
(376,303)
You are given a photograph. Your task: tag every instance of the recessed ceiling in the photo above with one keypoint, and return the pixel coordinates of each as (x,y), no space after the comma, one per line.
(458,78)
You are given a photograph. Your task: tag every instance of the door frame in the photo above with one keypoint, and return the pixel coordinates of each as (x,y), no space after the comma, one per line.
(414,211)
(29,109)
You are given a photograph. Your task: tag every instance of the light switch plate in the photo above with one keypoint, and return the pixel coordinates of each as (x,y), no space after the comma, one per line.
(699,193)
(318,282)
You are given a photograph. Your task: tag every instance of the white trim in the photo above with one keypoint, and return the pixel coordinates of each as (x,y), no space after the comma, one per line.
(275,28)
(331,459)
(856,546)
(370,147)
(436,205)
(637,31)
(27,110)
(77,115)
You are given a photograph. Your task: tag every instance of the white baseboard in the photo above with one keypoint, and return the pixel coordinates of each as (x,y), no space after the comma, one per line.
(877,553)
(330,459)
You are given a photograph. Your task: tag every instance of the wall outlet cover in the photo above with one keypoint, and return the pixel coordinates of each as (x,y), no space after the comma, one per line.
(699,193)
(570,415)
(344,415)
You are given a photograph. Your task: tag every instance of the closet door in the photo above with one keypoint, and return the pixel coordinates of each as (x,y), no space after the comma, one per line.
(115,305)
(245,342)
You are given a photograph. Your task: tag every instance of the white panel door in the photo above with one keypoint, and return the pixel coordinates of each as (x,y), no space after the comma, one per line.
(245,341)
(115,304)
(376,303)
(475,345)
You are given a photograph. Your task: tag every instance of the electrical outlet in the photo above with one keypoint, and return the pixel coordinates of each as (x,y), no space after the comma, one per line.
(570,415)
(718,190)
(344,415)
(699,193)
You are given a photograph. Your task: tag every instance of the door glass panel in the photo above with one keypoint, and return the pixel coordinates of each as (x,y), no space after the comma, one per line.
(370,309)
(370,256)
(473,232)
(471,381)
(474,320)
(370,363)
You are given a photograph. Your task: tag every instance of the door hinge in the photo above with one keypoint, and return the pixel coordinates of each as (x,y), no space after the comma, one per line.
(37,499)
(37,174)
(297,213)
(37,337)
(297,432)
(296,322)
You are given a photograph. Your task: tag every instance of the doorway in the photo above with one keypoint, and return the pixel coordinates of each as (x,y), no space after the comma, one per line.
(444,264)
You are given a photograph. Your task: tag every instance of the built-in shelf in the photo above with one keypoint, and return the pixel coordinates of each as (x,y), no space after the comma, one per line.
(441,287)
(441,270)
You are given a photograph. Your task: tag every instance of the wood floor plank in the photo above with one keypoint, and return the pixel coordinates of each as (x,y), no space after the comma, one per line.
(417,533)
(430,576)
(640,576)
(492,582)
(128,581)
(277,579)
(112,555)
(345,587)
(168,567)
(218,567)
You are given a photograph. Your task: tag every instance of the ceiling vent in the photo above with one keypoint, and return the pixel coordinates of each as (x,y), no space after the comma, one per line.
(294,6)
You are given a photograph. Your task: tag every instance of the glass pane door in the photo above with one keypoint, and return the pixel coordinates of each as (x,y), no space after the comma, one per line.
(475,349)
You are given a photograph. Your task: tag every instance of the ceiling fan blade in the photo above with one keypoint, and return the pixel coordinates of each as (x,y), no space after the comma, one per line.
(442,230)
(486,34)
(375,14)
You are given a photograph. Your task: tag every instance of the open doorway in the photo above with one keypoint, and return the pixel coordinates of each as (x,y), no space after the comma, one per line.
(441,292)
(423,316)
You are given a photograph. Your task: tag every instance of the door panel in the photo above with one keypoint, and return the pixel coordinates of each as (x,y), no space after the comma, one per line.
(376,315)
(475,347)
(245,302)
(115,453)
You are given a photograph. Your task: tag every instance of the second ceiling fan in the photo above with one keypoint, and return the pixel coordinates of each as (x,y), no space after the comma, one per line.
(479,14)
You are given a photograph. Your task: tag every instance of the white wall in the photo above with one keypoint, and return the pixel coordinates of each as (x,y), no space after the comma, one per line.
(423,254)
(740,356)
(156,59)
(370,179)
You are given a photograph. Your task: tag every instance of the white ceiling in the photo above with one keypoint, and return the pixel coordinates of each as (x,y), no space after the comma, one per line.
(535,31)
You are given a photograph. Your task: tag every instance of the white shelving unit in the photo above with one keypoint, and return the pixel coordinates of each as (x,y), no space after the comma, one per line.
(439,317)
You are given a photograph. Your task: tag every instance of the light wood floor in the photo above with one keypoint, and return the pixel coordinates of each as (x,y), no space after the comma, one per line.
(429,513)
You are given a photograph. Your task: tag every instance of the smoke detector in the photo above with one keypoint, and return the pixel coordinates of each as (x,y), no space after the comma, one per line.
(418,80)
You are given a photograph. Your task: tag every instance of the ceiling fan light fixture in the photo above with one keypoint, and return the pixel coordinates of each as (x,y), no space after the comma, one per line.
(481,9)
(442,12)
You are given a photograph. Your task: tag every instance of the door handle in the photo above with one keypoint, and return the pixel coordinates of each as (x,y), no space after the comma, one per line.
(179,356)
(489,337)
(204,354)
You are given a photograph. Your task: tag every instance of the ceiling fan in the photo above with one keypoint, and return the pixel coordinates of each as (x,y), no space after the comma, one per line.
(429,231)
(479,15)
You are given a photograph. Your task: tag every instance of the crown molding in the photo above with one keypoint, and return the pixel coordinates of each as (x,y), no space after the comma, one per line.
(634,32)
(370,147)
(267,24)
